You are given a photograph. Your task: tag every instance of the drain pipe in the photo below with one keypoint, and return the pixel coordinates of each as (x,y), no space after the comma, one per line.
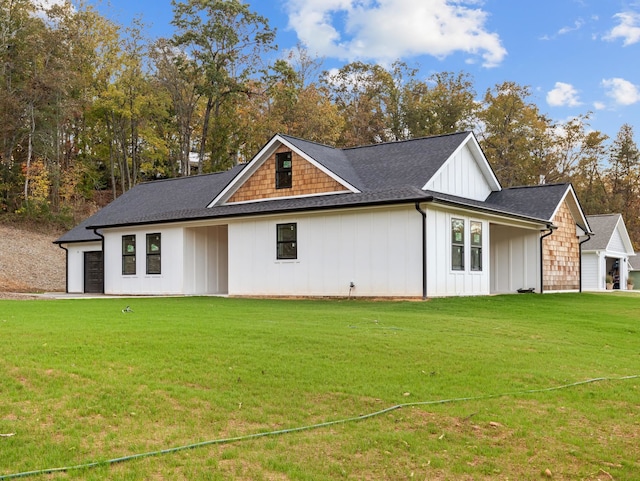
(66,268)
(580,258)
(424,250)
(95,231)
(549,228)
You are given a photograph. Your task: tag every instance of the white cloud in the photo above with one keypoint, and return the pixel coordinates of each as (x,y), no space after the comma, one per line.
(563,95)
(599,105)
(628,29)
(577,25)
(385,30)
(621,91)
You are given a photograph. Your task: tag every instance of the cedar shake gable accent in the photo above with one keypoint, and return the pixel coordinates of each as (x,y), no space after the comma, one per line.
(306,180)
(561,253)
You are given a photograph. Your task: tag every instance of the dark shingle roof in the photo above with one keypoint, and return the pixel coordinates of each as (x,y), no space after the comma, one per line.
(158,198)
(539,201)
(384,173)
(413,161)
(333,159)
(409,162)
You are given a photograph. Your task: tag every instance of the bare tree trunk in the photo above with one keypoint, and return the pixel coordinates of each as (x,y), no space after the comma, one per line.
(205,132)
(32,128)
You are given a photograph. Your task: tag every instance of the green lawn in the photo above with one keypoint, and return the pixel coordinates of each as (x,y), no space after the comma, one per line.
(82,382)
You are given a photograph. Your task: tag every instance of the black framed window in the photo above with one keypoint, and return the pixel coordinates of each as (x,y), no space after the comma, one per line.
(287,245)
(153,254)
(457,244)
(128,255)
(476,245)
(283,170)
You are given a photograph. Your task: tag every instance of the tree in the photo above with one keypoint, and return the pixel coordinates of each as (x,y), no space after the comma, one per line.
(180,79)
(514,135)
(447,106)
(623,177)
(224,40)
(363,94)
(587,178)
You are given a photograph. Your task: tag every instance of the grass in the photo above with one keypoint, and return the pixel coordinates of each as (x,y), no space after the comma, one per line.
(82,382)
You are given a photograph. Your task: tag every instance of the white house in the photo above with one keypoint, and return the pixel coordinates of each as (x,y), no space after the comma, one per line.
(607,253)
(416,218)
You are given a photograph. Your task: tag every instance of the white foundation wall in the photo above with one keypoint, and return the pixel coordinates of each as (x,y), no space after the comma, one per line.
(75,264)
(378,249)
(170,281)
(442,281)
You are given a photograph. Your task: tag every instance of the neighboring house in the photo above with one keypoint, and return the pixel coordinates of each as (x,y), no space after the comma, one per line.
(607,253)
(416,218)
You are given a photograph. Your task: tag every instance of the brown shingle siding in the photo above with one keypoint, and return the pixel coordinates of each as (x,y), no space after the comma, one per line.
(561,251)
(306,179)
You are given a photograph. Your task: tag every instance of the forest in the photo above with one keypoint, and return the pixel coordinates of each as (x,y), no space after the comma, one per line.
(89,108)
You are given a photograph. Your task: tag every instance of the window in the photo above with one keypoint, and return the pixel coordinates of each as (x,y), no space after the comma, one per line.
(476,246)
(457,244)
(283,170)
(128,255)
(286,241)
(153,254)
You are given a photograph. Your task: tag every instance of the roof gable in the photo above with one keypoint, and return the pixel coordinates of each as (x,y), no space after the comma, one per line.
(262,166)
(610,234)
(466,173)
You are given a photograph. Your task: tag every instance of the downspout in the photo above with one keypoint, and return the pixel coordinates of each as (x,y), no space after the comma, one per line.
(580,253)
(66,268)
(95,231)
(424,250)
(550,228)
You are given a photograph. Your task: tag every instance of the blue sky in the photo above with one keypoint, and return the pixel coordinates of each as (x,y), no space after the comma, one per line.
(577,56)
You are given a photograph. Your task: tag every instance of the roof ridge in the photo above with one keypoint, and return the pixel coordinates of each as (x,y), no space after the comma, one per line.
(309,141)
(554,184)
(184,177)
(605,215)
(394,142)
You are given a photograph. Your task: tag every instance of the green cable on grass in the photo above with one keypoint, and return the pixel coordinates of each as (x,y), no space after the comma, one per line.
(303,428)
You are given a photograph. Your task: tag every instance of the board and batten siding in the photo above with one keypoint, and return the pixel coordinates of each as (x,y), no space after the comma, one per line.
(616,244)
(461,176)
(75,264)
(515,259)
(170,281)
(592,272)
(378,249)
(205,260)
(441,279)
